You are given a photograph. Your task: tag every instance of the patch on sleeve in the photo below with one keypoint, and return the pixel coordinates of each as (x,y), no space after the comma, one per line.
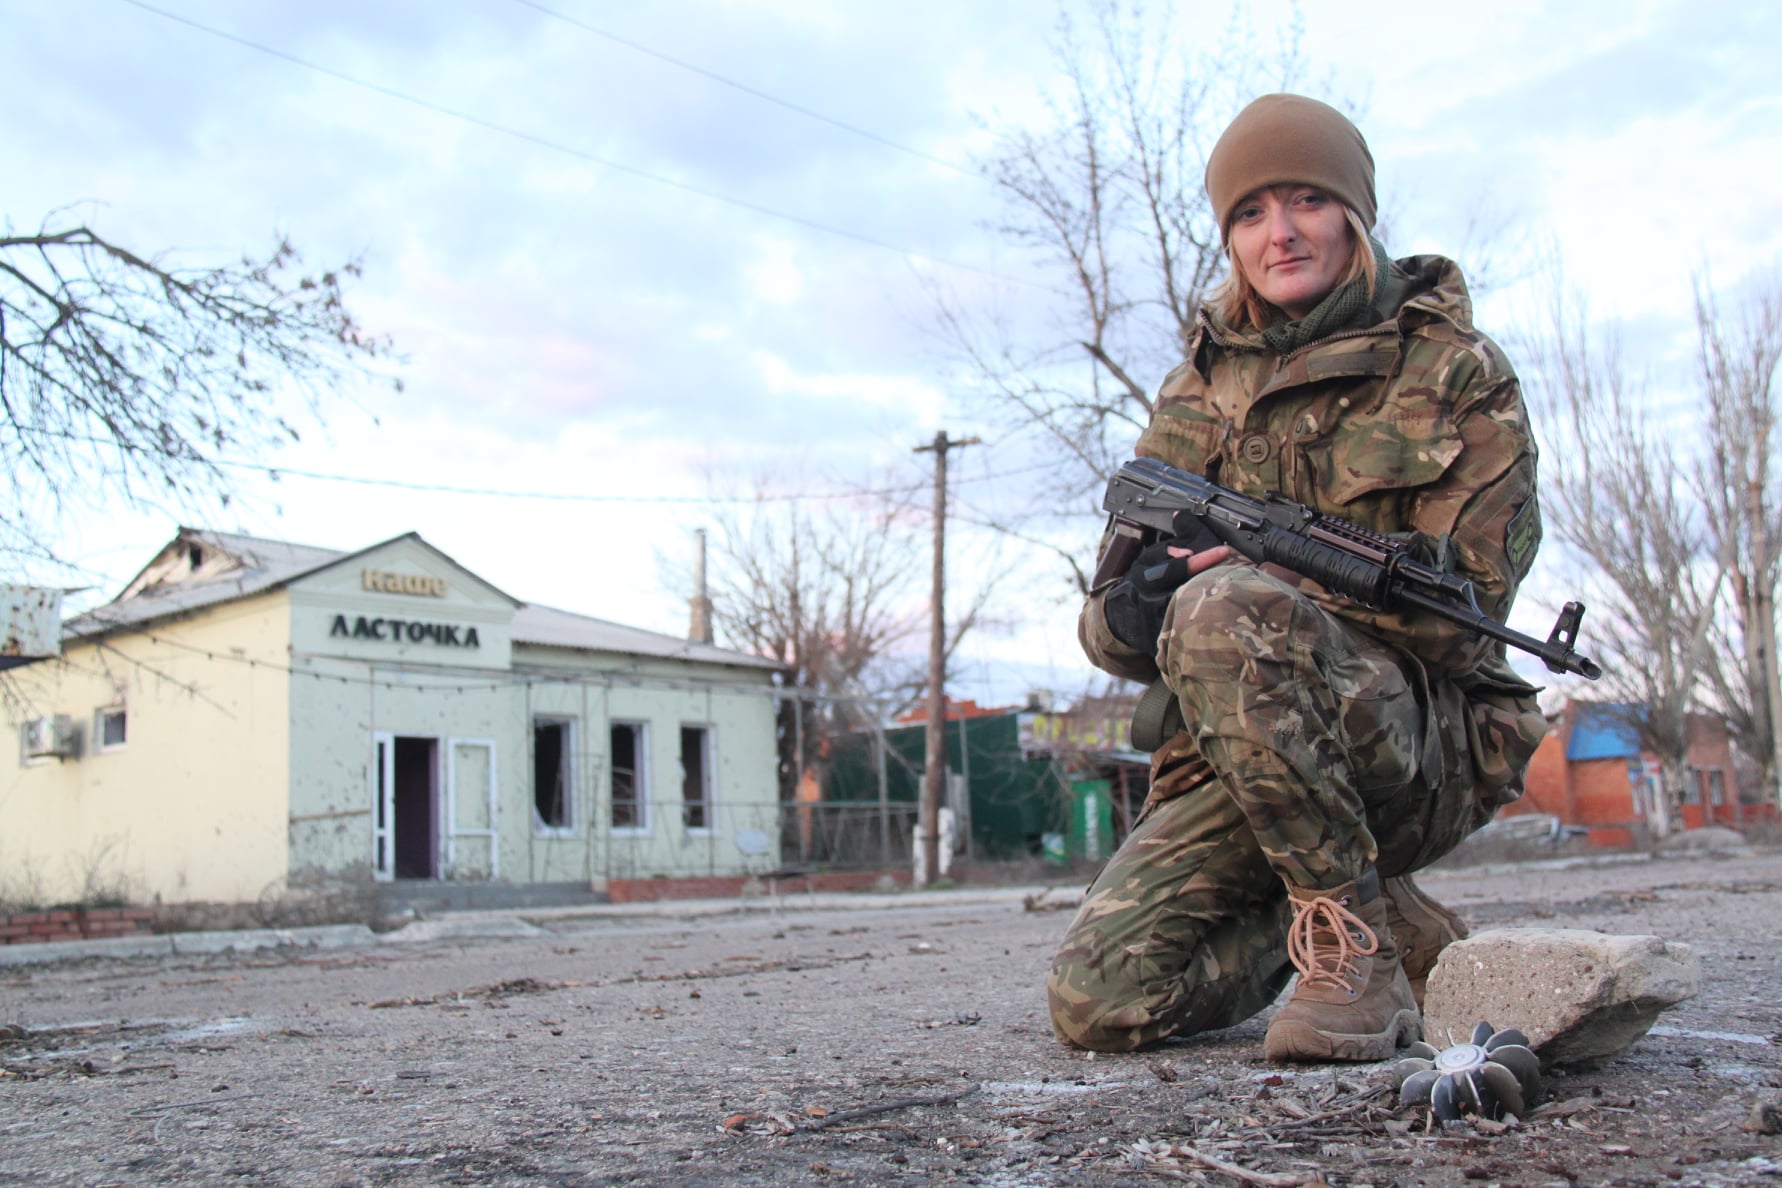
(1523,535)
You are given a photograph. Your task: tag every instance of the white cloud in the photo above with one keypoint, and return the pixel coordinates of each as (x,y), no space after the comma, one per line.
(578,328)
(775,273)
(921,400)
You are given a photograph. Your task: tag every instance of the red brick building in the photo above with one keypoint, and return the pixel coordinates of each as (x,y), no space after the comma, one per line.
(1591,771)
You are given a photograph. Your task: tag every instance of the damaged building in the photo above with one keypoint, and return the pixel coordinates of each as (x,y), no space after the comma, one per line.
(250,715)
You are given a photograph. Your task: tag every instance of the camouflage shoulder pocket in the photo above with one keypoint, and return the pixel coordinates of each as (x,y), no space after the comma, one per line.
(1183,436)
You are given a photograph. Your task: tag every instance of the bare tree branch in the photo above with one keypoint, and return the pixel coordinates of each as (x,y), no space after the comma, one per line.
(124,375)
(837,591)
(1738,475)
(1107,193)
(1617,494)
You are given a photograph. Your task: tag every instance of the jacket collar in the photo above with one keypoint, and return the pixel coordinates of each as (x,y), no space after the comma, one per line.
(1414,291)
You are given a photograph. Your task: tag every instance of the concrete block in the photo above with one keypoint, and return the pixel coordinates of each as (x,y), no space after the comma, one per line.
(325,936)
(1582,998)
(123,946)
(1713,840)
(462,927)
(242,941)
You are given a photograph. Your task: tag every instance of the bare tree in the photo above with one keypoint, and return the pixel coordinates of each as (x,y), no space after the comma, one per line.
(1108,196)
(125,375)
(833,589)
(1739,476)
(1616,492)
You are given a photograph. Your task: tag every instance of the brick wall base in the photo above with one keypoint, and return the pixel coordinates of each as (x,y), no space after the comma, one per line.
(729,887)
(72,924)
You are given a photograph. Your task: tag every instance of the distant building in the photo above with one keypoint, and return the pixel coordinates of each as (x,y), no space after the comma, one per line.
(250,714)
(1020,781)
(1591,771)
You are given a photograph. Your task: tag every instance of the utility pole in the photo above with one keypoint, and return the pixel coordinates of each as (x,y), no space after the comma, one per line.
(935,774)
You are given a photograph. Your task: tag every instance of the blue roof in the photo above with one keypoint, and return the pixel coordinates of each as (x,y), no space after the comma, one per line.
(1604,730)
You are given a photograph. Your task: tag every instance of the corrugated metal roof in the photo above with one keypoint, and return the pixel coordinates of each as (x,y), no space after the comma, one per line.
(248,565)
(1603,730)
(549,627)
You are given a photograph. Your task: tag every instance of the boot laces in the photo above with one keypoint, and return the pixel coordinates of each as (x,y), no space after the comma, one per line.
(1326,940)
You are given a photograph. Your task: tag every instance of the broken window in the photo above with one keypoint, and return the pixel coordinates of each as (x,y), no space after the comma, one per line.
(696,777)
(109,728)
(630,786)
(550,774)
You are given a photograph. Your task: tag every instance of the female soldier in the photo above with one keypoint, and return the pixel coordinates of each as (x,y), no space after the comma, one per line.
(1327,750)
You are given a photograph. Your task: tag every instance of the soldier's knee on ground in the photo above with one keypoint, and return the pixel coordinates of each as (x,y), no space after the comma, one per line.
(1083,1021)
(1101,1001)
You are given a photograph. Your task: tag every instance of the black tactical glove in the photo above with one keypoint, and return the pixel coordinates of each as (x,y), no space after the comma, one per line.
(1135,607)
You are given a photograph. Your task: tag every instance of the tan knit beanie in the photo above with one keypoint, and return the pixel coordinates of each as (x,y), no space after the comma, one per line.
(1290,138)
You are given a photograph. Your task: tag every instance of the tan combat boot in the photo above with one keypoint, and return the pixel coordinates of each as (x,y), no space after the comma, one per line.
(1352,1001)
(1421,927)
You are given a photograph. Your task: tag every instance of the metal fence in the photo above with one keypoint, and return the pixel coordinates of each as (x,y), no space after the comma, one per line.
(847,835)
(662,839)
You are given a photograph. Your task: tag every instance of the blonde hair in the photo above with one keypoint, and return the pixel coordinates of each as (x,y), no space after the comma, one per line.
(1237,303)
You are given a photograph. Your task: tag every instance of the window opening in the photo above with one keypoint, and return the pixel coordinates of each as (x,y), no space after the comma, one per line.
(550,773)
(696,789)
(111,729)
(629,786)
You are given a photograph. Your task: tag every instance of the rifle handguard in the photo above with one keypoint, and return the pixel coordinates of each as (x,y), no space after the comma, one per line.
(1345,558)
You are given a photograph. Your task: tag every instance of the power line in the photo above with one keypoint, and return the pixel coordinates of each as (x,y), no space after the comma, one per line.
(746,89)
(278,472)
(574,497)
(579,154)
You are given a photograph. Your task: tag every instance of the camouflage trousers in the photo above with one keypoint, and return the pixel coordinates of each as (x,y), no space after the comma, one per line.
(1317,738)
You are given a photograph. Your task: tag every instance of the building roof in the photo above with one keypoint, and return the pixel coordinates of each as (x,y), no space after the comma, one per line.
(200,569)
(549,627)
(1603,730)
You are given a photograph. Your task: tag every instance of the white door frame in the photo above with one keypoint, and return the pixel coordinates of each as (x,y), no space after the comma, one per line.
(383,805)
(451,833)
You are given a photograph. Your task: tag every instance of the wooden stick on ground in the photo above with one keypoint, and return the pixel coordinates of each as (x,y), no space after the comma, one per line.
(903,1103)
(1243,1173)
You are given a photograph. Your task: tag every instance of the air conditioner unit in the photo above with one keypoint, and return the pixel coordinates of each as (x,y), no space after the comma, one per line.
(50,737)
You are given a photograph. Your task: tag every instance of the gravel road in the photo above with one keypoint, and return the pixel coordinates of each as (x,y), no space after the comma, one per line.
(867,1046)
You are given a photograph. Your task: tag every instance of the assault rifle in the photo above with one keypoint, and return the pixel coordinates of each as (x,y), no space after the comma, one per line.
(1374,570)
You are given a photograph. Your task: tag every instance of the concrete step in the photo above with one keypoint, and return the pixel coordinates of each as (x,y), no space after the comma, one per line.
(426,896)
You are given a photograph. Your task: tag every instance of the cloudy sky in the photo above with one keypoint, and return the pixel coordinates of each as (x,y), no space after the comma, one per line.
(613,275)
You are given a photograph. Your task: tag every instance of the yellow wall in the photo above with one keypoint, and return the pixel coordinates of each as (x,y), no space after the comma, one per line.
(249,765)
(192,807)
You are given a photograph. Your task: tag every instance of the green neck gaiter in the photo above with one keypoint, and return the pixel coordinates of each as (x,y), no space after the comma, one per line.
(1341,308)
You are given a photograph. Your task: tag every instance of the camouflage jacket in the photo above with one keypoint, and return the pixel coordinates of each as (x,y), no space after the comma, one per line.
(1414,424)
